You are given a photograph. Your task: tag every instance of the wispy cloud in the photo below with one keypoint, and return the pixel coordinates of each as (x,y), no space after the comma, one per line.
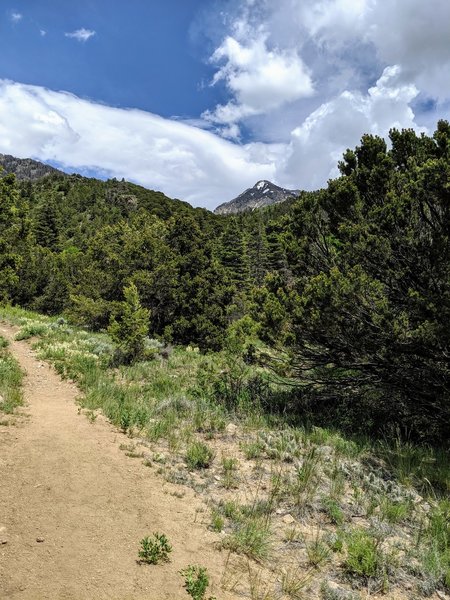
(81,35)
(15,16)
(42,32)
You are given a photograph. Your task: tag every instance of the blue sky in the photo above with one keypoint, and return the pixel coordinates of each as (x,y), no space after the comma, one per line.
(142,54)
(201,98)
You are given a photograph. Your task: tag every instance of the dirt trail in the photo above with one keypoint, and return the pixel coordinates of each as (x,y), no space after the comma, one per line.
(65,481)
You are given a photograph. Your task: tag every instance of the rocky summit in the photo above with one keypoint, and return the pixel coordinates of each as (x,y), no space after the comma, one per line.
(263,193)
(26,168)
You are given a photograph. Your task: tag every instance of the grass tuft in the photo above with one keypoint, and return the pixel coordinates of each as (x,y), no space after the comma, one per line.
(199,455)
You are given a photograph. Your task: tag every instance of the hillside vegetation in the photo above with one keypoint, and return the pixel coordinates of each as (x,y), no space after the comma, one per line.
(301,511)
(349,286)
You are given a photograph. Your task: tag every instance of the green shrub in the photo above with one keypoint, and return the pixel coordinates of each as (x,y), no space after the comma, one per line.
(31,330)
(199,455)
(364,557)
(252,537)
(128,328)
(155,549)
(196,581)
(333,511)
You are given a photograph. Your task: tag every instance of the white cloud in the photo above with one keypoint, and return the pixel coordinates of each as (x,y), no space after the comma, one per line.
(16,17)
(340,47)
(181,160)
(411,33)
(318,143)
(81,35)
(417,38)
(259,78)
(333,21)
(42,32)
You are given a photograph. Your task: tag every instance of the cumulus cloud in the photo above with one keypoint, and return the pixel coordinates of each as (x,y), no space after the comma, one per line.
(327,46)
(81,35)
(260,78)
(183,161)
(410,33)
(327,56)
(318,143)
(417,38)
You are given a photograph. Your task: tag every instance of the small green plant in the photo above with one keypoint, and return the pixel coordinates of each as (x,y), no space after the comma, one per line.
(294,581)
(435,552)
(364,557)
(199,455)
(337,482)
(231,510)
(11,377)
(196,581)
(292,535)
(31,330)
(252,537)
(318,552)
(395,512)
(217,521)
(229,470)
(333,511)
(335,541)
(252,450)
(155,549)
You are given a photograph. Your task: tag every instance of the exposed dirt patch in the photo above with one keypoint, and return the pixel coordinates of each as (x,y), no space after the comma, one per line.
(73,507)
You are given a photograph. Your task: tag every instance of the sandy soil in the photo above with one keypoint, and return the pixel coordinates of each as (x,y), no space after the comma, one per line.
(73,507)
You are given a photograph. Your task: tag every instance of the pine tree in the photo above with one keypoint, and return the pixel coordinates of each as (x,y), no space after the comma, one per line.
(10,236)
(46,224)
(129,326)
(258,252)
(233,254)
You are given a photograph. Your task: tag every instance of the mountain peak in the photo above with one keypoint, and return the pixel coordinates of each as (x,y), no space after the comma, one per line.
(263,193)
(26,168)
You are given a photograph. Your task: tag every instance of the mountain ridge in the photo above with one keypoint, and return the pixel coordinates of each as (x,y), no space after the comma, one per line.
(27,168)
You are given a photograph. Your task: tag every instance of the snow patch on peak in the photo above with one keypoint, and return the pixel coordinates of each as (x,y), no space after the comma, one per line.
(261,184)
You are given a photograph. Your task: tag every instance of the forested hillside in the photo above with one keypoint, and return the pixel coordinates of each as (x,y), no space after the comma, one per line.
(349,285)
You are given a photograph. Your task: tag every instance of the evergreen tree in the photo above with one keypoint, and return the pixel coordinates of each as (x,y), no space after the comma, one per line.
(129,326)
(258,251)
(233,254)
(11,232)
(46,224)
